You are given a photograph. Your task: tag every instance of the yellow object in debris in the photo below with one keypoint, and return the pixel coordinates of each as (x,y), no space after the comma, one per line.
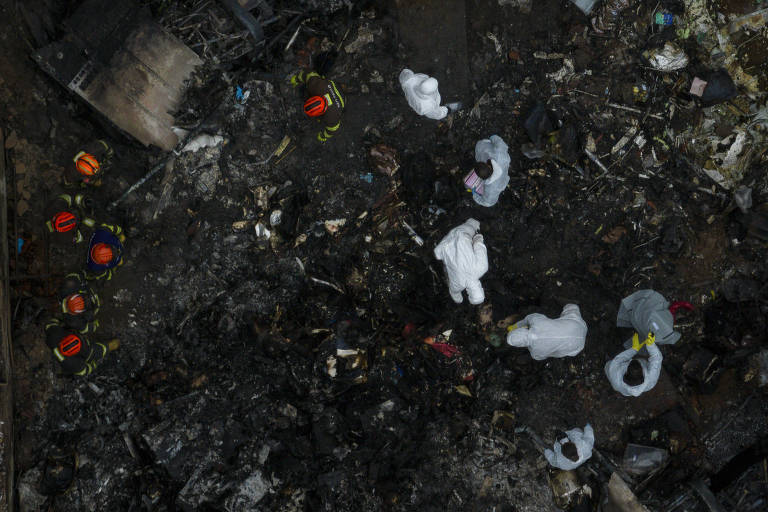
(463,390)
(512,327)
(283,144)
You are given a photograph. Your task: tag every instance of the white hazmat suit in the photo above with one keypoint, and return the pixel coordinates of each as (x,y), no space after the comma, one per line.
(466,260)
(583,440)
(495,150)
(546,337)
(616,368)
(421,92)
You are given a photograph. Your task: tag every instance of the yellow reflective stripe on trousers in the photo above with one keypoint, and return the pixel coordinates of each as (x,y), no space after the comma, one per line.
(338,94)
(58,354)
(333,128)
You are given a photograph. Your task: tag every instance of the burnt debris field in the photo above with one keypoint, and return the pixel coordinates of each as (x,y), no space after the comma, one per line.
(287,336)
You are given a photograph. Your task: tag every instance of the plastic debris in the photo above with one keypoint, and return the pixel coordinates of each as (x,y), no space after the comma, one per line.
(414,236)
(640,460)
(616,369)
(697,87)
(719,87)
(275,217)
(585,5)
(647,311)
(495,151)
(367,177)
(422,94)
(466,260)
(742,196)
(583,440)
(241,96)
(567,489)
(461,362)
(664,19)
(334,225)
(203,141)
(546,337)
(609,13)
(669,58)
(262,232)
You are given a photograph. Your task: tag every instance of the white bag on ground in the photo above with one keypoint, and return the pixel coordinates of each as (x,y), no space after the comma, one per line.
(421,92)
(466,260)
(495,150)
(583,440)
(616,368)
(546,337)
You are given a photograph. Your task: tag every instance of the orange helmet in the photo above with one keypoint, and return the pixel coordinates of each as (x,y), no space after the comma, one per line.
(86,164)
(315,106)
(63,222)
(70,345)
(101,253)
(75,304)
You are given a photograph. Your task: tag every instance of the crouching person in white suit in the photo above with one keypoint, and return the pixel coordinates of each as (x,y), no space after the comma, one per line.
(466,260)
(546,337)
(421,92)
(492,158)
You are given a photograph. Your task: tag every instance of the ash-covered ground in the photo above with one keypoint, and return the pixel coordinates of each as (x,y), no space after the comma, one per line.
(227,392)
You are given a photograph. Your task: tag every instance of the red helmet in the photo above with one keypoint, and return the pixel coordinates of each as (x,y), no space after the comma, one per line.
(86,164)
(75,304)
(63,222)
(315,106)
(101,253)
(70,345)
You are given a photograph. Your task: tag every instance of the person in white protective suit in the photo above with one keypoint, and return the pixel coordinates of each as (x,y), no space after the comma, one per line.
(546,337)
(421,92)
(616,368)
(466,260)
(583,440)
(493,160)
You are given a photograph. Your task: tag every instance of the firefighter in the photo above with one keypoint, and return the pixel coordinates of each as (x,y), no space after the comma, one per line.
(91,162)
(76,353)
(323,100)
(79,304)
(105,252)
(67,214)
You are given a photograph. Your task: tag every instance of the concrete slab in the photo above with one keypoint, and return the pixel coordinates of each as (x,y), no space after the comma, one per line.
(129,68)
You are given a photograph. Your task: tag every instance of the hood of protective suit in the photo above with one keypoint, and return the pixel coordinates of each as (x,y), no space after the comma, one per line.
(648,311)
(583,440)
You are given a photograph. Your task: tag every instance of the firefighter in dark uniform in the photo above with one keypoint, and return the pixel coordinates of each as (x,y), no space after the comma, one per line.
(76,354)
(67,214)
(105,251)
(323,101)
(91,162)
(79,304)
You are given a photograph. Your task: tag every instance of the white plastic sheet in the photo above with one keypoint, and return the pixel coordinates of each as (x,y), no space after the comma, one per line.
(616,368)
(497,151)
(546,337)
(465,257)
(583,440)
(422,95)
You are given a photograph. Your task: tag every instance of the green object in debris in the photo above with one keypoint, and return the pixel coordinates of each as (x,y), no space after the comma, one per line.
(495,340)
